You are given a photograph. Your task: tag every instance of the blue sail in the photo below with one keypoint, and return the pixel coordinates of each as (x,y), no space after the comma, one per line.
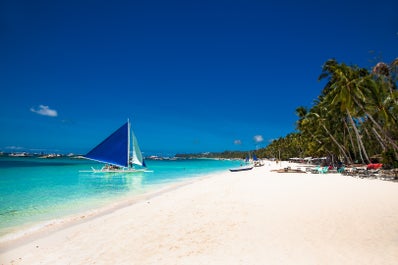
(114,149)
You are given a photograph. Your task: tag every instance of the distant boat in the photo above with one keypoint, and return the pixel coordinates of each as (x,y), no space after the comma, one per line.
(119,152)
(257,162)
(241,168)
(247,166)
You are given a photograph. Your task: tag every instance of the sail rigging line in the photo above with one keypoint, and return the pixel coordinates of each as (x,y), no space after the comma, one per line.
(128,142)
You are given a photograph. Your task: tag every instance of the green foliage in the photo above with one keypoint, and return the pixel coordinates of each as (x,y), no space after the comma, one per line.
(354,118)
(389,160)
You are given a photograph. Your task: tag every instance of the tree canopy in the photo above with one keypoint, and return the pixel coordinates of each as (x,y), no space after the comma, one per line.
(354,119)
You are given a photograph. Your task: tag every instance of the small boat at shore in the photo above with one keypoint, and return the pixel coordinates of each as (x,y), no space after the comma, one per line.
(241,168)
(119,152)
(248,165)
(257,162)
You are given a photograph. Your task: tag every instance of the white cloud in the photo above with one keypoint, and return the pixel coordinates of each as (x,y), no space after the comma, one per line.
(258,138)
(45,111)
(237,142)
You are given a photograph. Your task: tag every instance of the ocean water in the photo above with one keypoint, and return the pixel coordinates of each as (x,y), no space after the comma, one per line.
(34,190)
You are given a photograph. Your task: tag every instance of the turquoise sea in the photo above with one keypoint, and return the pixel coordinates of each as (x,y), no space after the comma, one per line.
(35,190)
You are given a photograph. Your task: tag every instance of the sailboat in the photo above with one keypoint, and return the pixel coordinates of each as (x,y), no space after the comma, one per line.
(119,152)
(257,162)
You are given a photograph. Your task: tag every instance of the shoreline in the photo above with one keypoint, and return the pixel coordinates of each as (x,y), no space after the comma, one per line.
(131,188)
(254,217)
(27,233)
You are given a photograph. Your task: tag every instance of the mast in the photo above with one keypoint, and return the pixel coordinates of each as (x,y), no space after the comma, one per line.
(128,142)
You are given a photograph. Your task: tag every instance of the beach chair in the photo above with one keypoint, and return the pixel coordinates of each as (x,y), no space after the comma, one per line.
(315,170)
(341,170)
(323,170)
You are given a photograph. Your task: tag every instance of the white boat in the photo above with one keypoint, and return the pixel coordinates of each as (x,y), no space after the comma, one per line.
(257,162)
(250,162)
(119,152)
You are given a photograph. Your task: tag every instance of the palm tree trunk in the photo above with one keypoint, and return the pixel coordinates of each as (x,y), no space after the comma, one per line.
(342,150)
(384,133)
(316,139)
(349,136)
(359,140)
(380,140)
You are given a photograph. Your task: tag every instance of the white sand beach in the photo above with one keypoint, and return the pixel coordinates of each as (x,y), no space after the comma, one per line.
(252,217)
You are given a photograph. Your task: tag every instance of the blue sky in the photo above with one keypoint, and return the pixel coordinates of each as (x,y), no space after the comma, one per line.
(193,76)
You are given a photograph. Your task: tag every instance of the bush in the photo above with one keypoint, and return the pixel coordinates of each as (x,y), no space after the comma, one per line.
(389,160)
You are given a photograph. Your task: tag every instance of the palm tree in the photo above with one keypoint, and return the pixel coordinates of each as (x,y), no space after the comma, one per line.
(388,73)
(342,90)
(355,115)
(378,108)
(331,123)
(303,124)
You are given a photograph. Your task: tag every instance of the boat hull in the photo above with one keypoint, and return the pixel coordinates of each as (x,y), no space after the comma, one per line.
(241,169)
